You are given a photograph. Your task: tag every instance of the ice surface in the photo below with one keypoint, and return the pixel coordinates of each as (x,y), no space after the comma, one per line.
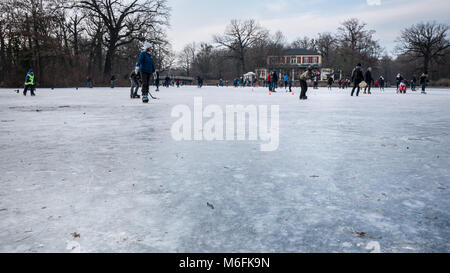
(90,170)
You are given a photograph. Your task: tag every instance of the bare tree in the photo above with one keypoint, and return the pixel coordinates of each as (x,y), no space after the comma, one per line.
(356,44)
(75,28)
(95,30)
(326,45)
(203,60)
(428,41)
(187,57)
(305,43)
(125,21)
(239,36)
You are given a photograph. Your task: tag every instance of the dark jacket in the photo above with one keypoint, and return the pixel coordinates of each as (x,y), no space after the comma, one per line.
(274,77)
(136,77)
(368,77)
(357,75)
(145,63)
(423,79)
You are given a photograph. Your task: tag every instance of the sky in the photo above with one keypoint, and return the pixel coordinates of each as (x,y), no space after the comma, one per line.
(198,20)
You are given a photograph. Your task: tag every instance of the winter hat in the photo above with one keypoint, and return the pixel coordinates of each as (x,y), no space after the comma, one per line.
(31,70)
(147,45)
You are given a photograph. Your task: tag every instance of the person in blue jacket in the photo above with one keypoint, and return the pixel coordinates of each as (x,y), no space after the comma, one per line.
(286,81)
(146,66)
(29,83)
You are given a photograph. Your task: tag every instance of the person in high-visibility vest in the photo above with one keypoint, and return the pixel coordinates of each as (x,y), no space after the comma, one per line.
(29,83)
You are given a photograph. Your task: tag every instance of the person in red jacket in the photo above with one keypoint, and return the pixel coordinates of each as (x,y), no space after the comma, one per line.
(269,82)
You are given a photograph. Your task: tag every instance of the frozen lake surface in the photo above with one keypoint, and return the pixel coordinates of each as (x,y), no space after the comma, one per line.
(93,171)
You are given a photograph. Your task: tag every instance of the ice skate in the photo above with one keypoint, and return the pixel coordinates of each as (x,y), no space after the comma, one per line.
(145,99)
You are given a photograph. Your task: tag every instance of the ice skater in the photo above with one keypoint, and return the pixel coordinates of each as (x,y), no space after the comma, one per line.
(146,67)
(290,85)
(29,83)
(330,82)
(286,81)
(305,76)
(369,80)
(274,80)
(381,83)
(316,81)
(113,81)
(414,83)
(357,77)
(199,82)
(156,76)
(136,82)
(402,87)
(399,80)
(423,82)
(89,82)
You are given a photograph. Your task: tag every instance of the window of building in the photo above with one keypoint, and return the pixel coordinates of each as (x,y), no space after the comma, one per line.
(293,60)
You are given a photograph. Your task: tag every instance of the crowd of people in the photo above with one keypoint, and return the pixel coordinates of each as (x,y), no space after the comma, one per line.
(243,82)
(145,74)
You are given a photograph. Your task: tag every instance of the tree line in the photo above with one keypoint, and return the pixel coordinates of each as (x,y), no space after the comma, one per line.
(66,41)
(245,45)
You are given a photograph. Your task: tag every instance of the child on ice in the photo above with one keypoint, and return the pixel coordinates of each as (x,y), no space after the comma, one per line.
(402,87)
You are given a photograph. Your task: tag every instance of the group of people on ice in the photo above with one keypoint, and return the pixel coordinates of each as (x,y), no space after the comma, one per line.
(402,83)
(243,82)
(145,70)
(365,81)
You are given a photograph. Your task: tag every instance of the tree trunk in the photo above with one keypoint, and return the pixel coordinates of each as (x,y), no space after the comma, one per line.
(426,63)
(37,51)
(242,60)
(108,63)
(2,55)
(109,58)
(75,36)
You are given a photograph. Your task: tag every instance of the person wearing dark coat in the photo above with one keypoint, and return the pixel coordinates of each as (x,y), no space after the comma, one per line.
(304,77)
(381,83)
(357,78)
(146,66)
(316,81)
(414,83)
(113,81)
(423,82)
(135,79)
(167,82)
(274,80)
(330,82)
(156,75)
(369,80)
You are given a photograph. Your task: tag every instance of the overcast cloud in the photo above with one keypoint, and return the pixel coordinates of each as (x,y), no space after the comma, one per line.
(197,21)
